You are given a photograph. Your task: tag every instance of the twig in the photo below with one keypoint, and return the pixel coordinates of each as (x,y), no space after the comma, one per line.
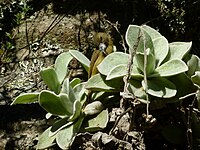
(126,94)
(27,38)
(189,125)
(116,122)
(132,52)
(145,72)
(122,38)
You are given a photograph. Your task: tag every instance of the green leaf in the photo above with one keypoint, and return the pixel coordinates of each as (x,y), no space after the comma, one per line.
(117,71)
(160,87)
(112,60)
(26,98)
(135,87)
(196,78)
(193,63)
(45,141)
(183,84)
(74,82)
(67,89)
(50,78)
(59,125)
(161,49)
(177,50)
(97,123)
(136,37)
(121,70)
(152,32)
(79,91)
(81,58)
(65,136)
(151,62)
(61,65)
(77,107)
(170,68)
(55,104)
(99,83)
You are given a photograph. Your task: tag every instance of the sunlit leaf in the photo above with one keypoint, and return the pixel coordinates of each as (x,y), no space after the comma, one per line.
(77,107)
(64,136)
(177,50)
(55,104)
(135,87)
(61,65)
(117,71)
(46,141)
(81,58)
(161,49)
(74,82)
(50,77)
(170,68)
(152,32)
(99,83)
(121,70)
(112,60)
(160,87)
(59,125)
(79,91)
(196,78)
(138,39)
(67,89)
(151,62)
(193,63)
(26,98)
(99,122)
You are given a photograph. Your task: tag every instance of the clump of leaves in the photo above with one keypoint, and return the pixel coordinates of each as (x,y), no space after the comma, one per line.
(65,99)
(159,71)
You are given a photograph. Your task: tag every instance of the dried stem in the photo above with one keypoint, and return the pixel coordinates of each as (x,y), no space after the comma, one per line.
(126,94)
(189,125)
(145,73)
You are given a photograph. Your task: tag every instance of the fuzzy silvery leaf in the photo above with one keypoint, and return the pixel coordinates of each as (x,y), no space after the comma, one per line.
(26,98)
(74,82)
(81,58)
(112,60)
(170,68)
(160,87)
(97,123)
(151,62)
(77,107)
(65,136)
(161,49)
(61,65)
(196,78)
(46,141)
(56,104)
(99,83)
(152,32)
(67,89)
(138,39)
(177,50)
(193,63)
(50,78)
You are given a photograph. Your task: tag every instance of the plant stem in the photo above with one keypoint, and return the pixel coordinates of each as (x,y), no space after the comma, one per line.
(145,72)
